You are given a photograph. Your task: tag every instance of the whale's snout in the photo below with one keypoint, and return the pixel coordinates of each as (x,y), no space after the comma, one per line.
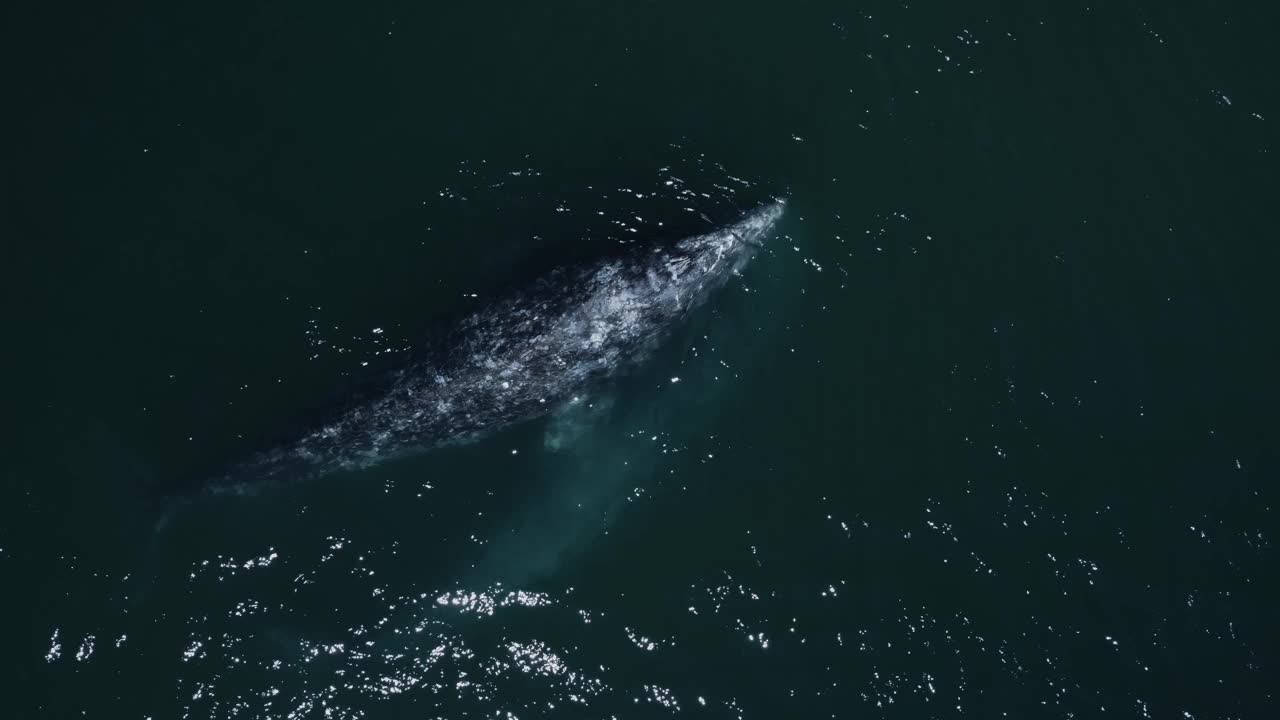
(759,225)
(719,255)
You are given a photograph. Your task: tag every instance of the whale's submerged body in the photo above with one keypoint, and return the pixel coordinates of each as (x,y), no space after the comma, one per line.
(517,358)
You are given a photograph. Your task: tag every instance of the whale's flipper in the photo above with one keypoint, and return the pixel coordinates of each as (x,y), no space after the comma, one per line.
(574,419)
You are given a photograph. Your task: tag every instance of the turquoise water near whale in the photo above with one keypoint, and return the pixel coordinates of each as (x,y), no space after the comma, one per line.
(987,430)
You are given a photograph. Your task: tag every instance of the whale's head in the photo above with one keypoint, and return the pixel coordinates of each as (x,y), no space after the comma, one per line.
(702,263)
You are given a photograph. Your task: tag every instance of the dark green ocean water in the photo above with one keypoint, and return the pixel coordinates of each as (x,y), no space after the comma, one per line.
(988,431)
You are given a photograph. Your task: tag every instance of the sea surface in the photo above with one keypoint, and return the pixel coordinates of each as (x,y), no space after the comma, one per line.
(988,430)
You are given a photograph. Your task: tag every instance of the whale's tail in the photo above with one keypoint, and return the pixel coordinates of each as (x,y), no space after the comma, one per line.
(143,514)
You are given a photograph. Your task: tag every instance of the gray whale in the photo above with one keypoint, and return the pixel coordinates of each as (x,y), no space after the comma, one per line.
(514,360)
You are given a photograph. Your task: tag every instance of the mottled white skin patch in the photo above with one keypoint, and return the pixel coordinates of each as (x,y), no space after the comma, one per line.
(521,357)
